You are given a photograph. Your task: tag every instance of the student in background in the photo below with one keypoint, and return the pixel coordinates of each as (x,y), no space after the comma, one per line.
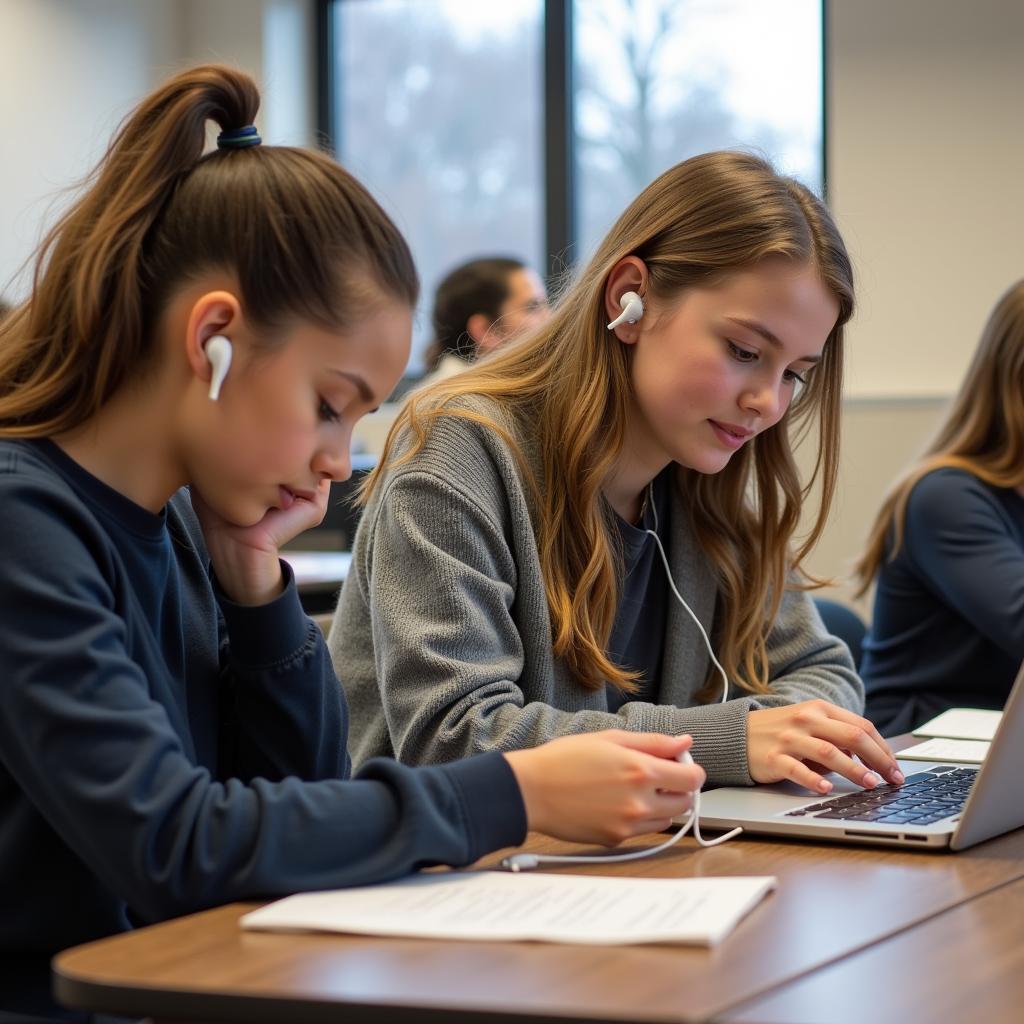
(947,550)
(478,307)
(506,584)
(173,735)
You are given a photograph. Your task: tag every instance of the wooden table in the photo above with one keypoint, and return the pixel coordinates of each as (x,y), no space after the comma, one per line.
(836,908)
(966,964)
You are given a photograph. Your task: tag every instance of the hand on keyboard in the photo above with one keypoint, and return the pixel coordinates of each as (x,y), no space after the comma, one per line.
(802,742)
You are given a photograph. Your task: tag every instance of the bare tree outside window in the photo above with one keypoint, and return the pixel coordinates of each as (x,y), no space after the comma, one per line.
(440,115)
(660,80)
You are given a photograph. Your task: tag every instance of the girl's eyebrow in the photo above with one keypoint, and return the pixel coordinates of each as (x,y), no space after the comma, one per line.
(758,328)
(361,386)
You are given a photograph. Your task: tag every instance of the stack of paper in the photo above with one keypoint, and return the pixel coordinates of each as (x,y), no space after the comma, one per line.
(961,735)
(491,905)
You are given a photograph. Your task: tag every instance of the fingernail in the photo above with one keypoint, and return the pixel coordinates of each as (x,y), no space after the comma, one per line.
(870,780)
(898,777)
(824,786)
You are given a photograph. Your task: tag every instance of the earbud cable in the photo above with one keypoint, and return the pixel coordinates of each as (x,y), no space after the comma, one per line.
(526,861)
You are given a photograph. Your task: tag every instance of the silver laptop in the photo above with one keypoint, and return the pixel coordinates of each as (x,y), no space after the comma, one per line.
(940,805)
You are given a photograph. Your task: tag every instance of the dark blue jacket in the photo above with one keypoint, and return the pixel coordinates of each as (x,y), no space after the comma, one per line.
(163,750)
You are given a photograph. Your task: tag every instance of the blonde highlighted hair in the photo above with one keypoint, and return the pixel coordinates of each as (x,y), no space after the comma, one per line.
(701,220)
(982,433)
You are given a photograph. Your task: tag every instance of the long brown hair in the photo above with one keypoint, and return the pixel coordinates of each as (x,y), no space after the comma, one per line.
(982,433)
(304,239)
(704,218)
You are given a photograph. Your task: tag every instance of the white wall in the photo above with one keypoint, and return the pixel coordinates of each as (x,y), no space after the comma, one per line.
(926,177)
(271,39)
(68,73)
(71,69)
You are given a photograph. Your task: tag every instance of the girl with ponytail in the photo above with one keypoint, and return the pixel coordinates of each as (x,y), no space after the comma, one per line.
(176,396)
(507,583)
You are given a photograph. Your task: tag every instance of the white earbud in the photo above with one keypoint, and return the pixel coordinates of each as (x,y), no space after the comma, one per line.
(632,309)
(218,351)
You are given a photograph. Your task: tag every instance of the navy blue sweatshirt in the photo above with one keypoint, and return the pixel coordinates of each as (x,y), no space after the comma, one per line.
(163,750)
(948,623)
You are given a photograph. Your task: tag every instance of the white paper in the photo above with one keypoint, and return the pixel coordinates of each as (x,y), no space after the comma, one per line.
(941,749)
(962,724)
(493,905)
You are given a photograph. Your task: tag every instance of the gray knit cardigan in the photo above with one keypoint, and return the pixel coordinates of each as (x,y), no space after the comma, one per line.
(443,642)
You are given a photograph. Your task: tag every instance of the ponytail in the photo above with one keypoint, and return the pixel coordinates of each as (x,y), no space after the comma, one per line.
(298,232)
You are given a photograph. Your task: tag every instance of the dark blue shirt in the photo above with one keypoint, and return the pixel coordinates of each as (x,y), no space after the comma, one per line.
(163,749)
(948,623)
(638,634)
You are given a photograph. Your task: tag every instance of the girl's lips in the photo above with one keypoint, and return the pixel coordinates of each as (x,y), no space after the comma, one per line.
(731,435)
(289,497)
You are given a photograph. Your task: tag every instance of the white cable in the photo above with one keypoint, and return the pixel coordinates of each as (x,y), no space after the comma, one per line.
(526,861)
(679,597)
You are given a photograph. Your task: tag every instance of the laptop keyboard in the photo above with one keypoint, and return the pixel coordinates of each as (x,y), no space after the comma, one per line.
(923,799)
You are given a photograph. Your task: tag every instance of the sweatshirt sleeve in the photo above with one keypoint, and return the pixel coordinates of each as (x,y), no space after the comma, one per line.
(805,662)
(963,547)
(282,710)
(116,778)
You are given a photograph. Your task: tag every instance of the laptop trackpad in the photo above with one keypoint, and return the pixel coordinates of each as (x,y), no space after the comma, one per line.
(736,804)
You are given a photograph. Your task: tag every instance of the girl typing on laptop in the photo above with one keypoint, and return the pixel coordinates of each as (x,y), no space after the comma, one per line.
(172,733)
(515,572)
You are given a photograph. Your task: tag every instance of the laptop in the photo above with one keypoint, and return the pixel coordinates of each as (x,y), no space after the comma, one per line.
(939,806)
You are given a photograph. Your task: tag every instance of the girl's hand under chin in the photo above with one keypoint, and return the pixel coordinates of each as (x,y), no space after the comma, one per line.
(246,558)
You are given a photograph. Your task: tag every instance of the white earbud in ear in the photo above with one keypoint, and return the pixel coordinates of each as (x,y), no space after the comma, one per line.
(632,309)
(218,351)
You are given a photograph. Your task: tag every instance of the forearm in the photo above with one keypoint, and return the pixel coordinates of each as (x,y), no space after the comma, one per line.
(501,721)
(283,709)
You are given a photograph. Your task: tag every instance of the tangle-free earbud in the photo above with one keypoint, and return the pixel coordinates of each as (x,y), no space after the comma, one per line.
(218,352)
(632,309)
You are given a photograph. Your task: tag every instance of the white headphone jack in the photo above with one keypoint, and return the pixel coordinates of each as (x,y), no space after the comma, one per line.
(527,861)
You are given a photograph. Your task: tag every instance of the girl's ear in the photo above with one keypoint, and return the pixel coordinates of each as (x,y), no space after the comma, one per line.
(628,275)
(477,326)
(216,312)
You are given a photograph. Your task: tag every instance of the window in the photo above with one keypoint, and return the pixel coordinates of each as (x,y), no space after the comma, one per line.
(439,107)
(437,110)
(657,81)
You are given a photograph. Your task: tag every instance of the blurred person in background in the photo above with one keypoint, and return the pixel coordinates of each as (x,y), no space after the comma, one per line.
(478,306)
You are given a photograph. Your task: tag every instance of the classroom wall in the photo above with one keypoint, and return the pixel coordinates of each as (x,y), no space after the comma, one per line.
(68,73)
(71,69)
(925,166)
(925,169)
